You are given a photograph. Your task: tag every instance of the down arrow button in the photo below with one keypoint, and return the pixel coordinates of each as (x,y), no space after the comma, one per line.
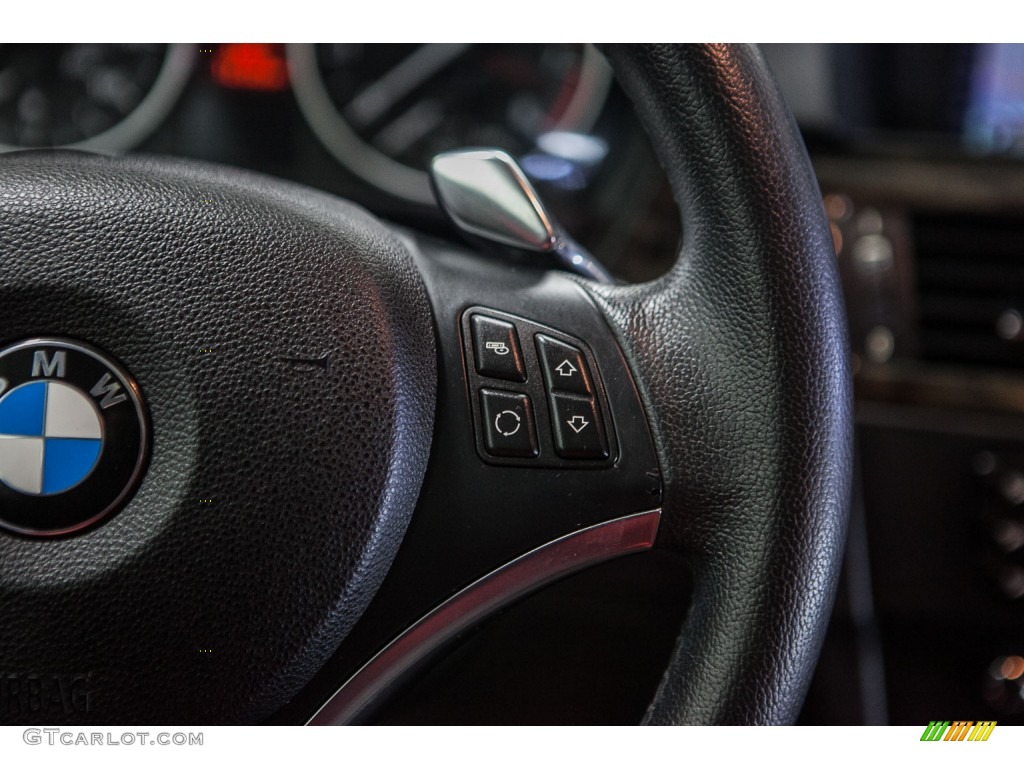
(577,428)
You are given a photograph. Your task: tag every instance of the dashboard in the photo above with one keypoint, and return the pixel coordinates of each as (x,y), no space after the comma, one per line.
(918,154)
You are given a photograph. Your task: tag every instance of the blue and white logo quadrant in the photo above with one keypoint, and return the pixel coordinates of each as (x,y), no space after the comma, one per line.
(51,437)
(23,410)
(21,463)
(69,413)
(66,463)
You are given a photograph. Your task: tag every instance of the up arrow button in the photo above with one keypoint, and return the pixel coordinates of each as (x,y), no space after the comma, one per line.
(565,368)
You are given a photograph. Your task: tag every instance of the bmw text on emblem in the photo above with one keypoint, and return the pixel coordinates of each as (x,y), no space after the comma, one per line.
(73,436)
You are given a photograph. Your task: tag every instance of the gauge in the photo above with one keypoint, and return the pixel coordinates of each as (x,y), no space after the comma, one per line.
(385,111)
(100,97)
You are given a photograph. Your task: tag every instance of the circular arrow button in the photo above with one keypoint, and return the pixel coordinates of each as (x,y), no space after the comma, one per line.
(507,423)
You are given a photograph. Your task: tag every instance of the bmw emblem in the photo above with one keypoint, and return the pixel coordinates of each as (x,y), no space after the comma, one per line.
(73,436)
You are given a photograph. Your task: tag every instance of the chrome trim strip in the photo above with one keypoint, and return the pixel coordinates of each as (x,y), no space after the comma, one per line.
(541,566)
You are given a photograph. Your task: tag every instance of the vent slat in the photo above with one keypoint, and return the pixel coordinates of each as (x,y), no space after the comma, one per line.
(970,273)
(979,311)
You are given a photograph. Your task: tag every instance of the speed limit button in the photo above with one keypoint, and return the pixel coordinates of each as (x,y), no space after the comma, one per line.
(508,424)
(496,348)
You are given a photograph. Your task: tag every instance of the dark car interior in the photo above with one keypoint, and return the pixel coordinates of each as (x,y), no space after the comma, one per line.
(917,151)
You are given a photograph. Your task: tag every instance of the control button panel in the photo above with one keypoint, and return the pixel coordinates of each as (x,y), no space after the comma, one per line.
(536,394)
(496,349)
(508,423)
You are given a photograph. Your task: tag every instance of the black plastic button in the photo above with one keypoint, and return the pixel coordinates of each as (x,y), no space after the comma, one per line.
(565,368)
(496,348)
(577,428)
(508,424)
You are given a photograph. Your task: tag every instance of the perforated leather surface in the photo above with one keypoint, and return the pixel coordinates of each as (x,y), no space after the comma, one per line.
(277,492)
(741,355)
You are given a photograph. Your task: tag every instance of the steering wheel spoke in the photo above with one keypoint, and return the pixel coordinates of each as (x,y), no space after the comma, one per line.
(499,515)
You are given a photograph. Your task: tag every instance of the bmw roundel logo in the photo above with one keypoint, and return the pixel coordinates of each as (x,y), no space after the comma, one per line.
(73,436)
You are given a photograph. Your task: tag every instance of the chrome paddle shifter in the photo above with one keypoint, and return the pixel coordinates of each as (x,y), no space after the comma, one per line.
(487,196)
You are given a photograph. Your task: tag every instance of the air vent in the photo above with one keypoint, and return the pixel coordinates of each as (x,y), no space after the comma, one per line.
(970,272)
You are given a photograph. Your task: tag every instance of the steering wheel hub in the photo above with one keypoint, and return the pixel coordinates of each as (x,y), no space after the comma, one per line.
(284,343)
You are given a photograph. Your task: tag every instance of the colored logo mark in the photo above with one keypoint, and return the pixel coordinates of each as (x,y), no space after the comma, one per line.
(958,730)
(50,438)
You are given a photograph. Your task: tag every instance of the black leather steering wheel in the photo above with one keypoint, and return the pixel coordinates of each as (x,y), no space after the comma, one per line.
(310,379)
(754,420)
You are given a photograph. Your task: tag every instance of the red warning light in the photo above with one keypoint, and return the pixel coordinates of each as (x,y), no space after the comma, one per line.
(250,66)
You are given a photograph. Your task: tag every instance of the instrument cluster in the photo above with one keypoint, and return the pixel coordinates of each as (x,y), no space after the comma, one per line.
(362,121)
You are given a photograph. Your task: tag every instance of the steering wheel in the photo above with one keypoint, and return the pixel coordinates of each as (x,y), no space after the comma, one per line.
(326,445)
